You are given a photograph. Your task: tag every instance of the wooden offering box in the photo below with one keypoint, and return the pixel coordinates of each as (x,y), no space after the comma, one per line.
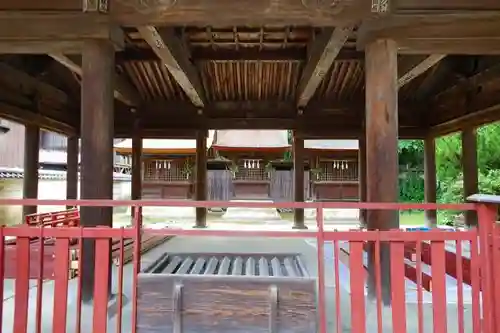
(221,292)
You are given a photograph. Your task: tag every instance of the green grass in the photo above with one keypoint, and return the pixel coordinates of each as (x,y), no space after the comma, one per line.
(412,218)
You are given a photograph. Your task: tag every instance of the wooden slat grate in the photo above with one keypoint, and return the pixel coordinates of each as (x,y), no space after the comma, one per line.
(269,264)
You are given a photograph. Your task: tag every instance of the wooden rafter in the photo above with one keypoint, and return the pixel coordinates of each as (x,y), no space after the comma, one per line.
(124,91)
(170,50)
(419,69)
(323,52)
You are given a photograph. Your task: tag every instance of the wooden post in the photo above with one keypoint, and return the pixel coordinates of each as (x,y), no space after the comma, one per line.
(430,179)
(298,180)
(469,163)
(31,152)
(72,168)
(314,163)
(136,192)
(96,146)
(201,177)
(362,178)
(381,150)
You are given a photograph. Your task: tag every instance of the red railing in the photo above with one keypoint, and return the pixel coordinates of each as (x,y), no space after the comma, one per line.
(438,273)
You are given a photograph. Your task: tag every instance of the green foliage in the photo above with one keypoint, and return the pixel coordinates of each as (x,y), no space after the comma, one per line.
(411,153)
(449,168)
(288,154)
(411,185)
(411,181)
(448,157)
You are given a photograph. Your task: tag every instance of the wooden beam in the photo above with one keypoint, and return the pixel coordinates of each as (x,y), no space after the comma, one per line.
(211,13)
(473,119)
(461,33)
(472,101)
(170,50)
(322,54)
(41,5)
(26,84)
(450,5)
(419,69)
(55,32)
(488,74)
(242,12)
(23,116)
(124,90)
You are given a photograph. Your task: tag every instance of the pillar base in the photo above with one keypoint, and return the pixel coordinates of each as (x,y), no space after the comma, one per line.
(299,227)
(198,226)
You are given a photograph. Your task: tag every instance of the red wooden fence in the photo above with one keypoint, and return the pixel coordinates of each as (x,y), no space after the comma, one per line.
(429,248)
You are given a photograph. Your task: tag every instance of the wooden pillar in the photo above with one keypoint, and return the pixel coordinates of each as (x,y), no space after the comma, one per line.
(97,100)
(72,168)
(31,152)
(201,177)
(136,191)
(381,150)
(469,163)
(430,179)
(362,178)
(298,180)
(314,163)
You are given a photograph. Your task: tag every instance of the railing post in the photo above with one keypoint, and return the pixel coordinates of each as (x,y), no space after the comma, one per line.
(486,207)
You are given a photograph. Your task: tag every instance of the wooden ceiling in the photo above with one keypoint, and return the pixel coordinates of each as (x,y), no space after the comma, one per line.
(186,64)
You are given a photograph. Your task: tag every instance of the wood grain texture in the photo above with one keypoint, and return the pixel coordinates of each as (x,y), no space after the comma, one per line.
(226,304)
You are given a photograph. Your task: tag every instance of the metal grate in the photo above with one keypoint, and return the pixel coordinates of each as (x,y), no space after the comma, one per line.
(243,264)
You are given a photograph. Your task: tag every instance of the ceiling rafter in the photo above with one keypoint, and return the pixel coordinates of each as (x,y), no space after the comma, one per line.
(323,52)
(124,90)
(169,48)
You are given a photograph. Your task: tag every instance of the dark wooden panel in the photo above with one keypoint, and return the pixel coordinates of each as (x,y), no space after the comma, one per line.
(225,304)
(251,189)
(336,191)
(167,190)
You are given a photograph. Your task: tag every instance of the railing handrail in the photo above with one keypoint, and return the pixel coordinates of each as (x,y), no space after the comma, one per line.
(246,204)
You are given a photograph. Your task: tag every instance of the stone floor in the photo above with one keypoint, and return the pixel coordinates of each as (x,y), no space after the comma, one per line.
(251,214)
(307,248)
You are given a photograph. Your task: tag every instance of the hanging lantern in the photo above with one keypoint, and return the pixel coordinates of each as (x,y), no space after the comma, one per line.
(245,164)
(258,166)
(169,165)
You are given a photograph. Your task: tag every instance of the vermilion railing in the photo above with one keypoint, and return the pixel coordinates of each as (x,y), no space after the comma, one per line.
(429,261)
